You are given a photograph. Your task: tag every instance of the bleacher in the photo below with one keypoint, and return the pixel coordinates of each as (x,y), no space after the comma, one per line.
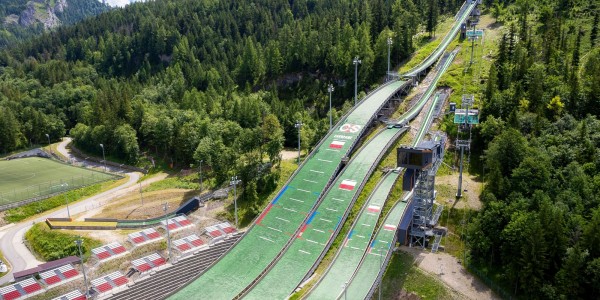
(106,283)
(214,231)
(226,227)
(148,262)
(59,275)
(108,252)
(177,223)
(144,237)
(188,243)
(21,290)
(74,295)
(154,288)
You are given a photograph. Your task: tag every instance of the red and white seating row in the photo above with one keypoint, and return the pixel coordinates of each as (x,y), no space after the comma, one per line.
(143,237)
(109,251)
(177,223)
(74,295)
(148,262)
(214,231)
(188,243)
(226,227)
(25,288)
(59,275)
(109,282)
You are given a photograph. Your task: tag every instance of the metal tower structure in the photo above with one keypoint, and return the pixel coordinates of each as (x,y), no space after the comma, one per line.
(464,117)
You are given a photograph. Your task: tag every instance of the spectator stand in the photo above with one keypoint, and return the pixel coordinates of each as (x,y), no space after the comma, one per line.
(148,263)
(109,282)
(214,232)
(74,295)
(21,290)
(189,244)
(59,276)
(108,252)
(144,237)
(227,228)
(176,224)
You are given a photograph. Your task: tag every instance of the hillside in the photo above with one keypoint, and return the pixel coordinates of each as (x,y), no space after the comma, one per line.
(22,19)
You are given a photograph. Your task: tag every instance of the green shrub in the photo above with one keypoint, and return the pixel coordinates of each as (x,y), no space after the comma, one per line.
(51,244)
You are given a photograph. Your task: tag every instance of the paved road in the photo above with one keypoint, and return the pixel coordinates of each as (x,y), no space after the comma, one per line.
(11,236)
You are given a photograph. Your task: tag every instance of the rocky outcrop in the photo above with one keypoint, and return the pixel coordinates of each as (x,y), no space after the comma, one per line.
(46,15)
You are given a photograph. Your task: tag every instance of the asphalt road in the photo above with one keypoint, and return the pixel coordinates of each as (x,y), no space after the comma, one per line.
(11,236)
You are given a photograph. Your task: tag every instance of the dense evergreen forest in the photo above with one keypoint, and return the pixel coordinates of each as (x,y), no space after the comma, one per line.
(12,33)
(186,80)
(539,230)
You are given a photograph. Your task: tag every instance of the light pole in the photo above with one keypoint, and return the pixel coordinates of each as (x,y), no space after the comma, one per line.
(49,145)
(330,90)
(165,207)
(389,43)
(79,241)
(344,288)
(200,173)
(356,62)
(234,181)
(299,126)
(141,197)
(103,156)
(65,186)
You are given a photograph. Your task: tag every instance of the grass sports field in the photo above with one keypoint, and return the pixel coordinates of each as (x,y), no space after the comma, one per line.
(26,178)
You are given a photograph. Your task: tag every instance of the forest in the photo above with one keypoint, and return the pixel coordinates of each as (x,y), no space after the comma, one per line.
(218,81)
(538,231)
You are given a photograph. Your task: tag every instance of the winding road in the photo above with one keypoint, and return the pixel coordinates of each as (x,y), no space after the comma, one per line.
(11,236)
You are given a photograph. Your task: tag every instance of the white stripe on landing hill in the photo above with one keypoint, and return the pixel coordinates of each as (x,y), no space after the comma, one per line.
(266,239)
(336,199)
(304,252)
(274,228)
(325,220)
(278,218)
(318,230)
(317,171)
(294,199)
(304,191)
(311,181)
(289,209)
(312,241)
(329,161)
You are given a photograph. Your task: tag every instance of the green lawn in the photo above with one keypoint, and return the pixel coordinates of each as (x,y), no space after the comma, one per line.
(25,178)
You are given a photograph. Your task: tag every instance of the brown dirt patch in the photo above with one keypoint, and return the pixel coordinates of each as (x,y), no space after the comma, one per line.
(448,184)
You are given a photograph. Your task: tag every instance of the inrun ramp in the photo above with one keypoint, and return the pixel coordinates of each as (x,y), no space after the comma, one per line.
(375,258)
(437,53)
(359,239)
(289,210)
(314,239)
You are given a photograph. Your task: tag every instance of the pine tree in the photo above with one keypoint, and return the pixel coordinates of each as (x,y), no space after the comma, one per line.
(594,33)
(432,17)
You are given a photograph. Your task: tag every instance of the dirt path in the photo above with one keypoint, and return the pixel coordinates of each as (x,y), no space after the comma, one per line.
(448,269)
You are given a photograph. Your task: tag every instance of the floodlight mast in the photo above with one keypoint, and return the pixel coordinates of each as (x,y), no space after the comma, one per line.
(356,62)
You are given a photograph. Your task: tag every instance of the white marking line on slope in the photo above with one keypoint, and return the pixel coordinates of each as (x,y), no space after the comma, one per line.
(274,228)
(315,171)
(329,161)
(384,241)
(289,209)
(366,225)
(318,230)
(336,199)
(304,191)
(360,236)
(328,149)
(297,200)
(355,248)
(329,221)
(372,214)
(282,219)
(312,241)
(331,209)
(311,181)
(304,251)
(266,239)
